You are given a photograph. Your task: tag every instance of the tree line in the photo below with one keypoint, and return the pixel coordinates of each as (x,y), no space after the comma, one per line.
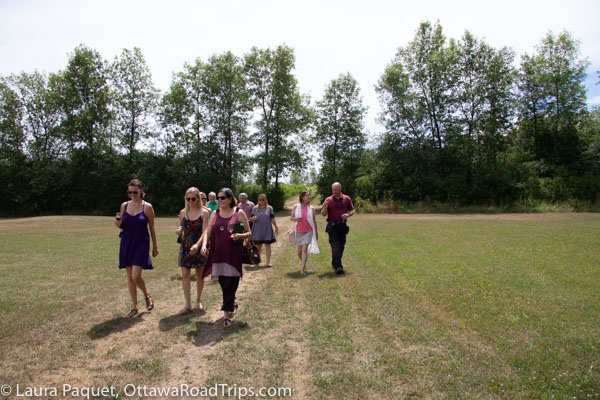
(462,125)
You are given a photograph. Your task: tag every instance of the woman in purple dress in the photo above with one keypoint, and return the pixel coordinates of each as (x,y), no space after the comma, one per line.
(136,217)
(225,257)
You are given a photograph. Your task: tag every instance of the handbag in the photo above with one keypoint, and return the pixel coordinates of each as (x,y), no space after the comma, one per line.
(180,238)
(250,253)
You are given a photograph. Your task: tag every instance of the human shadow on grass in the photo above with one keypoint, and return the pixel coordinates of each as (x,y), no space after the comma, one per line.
(177,277)
(298,275)
(117,324)
(333,275)
(175,320)
(256,267)
(211,333)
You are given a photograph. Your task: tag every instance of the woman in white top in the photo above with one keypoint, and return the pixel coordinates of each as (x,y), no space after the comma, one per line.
(305,229)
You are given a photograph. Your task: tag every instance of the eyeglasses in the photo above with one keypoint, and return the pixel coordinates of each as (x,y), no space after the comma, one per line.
(261,199)
(191,198)
(134,192)
(222,197)
(204,199)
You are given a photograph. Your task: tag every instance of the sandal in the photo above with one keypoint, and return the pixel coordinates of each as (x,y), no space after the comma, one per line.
(199,306)
(149,303)
(235,308)
(132,313)
(226,323)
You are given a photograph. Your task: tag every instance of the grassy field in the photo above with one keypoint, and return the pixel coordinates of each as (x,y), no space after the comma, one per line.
(431,307)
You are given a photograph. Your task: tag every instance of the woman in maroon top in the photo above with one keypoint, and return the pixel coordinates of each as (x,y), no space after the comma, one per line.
(225,257)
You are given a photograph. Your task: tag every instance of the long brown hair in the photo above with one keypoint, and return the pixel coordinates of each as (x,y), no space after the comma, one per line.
(137,183)
(302,194)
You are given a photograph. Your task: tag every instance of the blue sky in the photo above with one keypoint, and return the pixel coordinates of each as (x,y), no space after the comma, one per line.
(329,37)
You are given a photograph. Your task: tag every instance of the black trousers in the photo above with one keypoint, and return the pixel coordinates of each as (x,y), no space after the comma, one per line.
(337,240)
(229,285)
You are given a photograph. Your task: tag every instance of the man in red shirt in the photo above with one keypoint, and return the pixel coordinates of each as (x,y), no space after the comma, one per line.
(337,208)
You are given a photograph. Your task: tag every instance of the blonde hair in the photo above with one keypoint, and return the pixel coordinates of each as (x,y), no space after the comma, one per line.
(193,190)
(256,207)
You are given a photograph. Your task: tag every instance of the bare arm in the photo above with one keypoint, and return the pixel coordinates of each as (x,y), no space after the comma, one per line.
(274,222)
(247,233)
(150,215)
(203,241)
(325,209)
(179,229)
(293,216)
(315,222)
(119,223)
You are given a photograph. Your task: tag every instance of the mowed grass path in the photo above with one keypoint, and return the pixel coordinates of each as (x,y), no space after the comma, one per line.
(431,307)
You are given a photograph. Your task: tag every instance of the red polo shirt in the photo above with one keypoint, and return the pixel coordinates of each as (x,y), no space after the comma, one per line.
(337,207)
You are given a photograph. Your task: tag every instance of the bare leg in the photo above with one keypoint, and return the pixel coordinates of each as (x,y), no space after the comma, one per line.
(299,252)
(304,258)
(132,288)
(199,288)
(185,284)
(136,274)
(268,251)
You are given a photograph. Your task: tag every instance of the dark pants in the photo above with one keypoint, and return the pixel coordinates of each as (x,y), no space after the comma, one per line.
(229,285)
(337,241)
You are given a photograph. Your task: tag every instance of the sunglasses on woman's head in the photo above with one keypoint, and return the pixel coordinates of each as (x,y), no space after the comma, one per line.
(191,199)
(134,192)
(222,197)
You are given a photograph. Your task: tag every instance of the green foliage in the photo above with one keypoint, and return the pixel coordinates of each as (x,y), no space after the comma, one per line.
(462,127)
(283,114)
(340,134)
(135,99)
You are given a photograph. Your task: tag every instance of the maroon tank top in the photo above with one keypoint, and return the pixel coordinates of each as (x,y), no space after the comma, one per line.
(222,248)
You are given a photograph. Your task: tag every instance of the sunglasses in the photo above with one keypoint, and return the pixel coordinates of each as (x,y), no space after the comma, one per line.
(204,199)
(261,199)
(134,192)
(191,198)
(222,197)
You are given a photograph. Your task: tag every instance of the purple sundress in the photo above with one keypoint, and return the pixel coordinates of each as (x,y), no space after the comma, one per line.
(135,241)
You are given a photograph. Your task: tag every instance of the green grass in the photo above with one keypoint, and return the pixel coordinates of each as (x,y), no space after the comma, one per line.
(430,307)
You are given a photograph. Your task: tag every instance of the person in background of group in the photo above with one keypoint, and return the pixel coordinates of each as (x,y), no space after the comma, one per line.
(337,208)
(204,200)
(245,205)
(212,201)
(136,217)
(193,220)
(225,257)
(305,229)
(264,220)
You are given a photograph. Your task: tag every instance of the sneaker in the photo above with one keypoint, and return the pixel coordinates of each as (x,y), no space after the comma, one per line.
(339,270)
